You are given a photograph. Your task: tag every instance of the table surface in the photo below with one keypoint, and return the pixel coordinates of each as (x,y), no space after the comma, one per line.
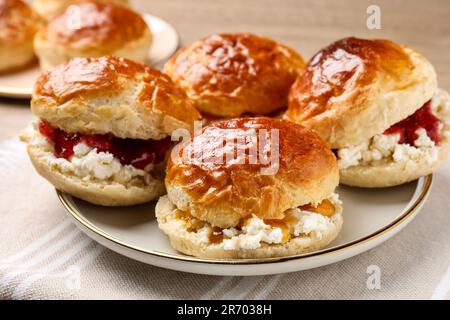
(414,264)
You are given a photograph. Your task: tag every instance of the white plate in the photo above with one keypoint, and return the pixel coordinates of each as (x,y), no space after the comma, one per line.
(370,217)
(165,42)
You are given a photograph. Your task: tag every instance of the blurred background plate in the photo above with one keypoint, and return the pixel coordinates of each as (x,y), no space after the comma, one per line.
(165,42)
(371,216)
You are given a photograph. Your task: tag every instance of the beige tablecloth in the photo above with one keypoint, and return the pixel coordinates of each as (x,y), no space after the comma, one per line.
(41,252)
(44,256)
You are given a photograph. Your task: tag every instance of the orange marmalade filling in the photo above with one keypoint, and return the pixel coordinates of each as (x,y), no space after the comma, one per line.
(192,224)
(283,225)
(216,235)
(325,208)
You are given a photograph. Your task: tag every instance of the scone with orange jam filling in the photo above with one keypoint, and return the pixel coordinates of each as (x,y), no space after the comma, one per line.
(236,209)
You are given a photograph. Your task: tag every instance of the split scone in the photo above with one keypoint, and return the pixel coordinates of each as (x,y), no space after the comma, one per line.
(378,105)
(103,129)
(251,188)
(50,9)
(93,30)
(18,25)
(229,75)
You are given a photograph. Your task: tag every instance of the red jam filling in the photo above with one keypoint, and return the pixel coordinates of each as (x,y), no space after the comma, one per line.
(135,152)
(422,118)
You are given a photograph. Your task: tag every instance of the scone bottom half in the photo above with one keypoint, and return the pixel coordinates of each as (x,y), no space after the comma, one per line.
(99,168)
(303,229)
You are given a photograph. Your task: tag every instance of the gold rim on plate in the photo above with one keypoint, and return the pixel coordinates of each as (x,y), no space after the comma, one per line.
(14,92)
(63,197)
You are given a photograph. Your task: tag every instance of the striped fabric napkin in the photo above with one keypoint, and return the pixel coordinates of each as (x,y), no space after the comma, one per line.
(44,256)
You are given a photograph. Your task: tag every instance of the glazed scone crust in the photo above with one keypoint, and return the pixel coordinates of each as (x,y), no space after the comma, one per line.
(188,243)
(101,28)
(228,75)
(224,194)
(18,22)
(18,25)
(100,32)
(112,95)
(97,192)
(356,88)
(52,8)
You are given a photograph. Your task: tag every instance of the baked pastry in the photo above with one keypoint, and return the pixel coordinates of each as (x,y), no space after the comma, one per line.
(18,25)
(103,129)
(93,30)
(273,197)
(50,9)
(228,75)
(377,103)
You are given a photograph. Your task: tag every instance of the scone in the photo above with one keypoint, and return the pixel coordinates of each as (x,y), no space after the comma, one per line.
(103,129)
(18,25)
(378,105)
(50,9)
(93,30)
(251,188)
(229,75)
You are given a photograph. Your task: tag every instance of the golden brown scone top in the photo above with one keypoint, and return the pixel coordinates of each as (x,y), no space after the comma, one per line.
(239,73)
(97,25)
(225,193)
(18,22)
(82,78)
(342,71)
